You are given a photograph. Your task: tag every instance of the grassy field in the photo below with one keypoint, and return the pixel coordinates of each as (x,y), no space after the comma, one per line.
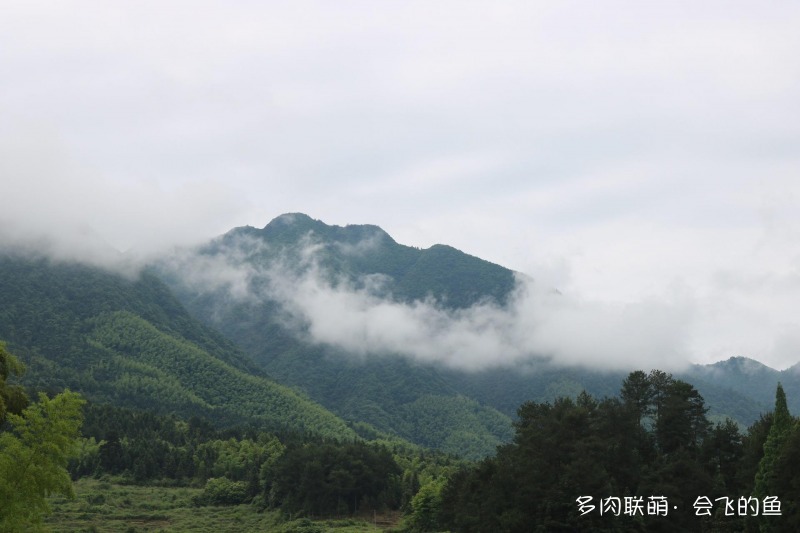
(107,507)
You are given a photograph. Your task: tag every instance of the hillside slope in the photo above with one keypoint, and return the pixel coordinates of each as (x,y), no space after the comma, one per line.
(131,343)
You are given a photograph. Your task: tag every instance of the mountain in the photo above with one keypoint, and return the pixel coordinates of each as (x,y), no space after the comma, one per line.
(394,394)
(303,326)
(128,341)
(752,379)
(249,283)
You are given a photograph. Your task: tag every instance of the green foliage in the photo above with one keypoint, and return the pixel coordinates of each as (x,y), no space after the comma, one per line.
(426,506)
(222,491)
(128,341)
(320,479)
(456,424)
(198,379)
(33,459)
(775,454)
(779,432)
(656,441)
(108,507)
(786,481)
(12,397)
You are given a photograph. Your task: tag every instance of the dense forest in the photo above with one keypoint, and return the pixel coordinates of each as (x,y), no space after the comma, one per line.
(647,460)
(45,444)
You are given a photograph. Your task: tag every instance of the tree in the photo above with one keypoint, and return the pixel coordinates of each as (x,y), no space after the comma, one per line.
(637,394)
(779,433)
(33,459)
(723,451)
(681,421)
(12,397)
(426,506)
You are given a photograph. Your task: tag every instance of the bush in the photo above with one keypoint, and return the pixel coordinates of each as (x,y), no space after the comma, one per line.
(222,491)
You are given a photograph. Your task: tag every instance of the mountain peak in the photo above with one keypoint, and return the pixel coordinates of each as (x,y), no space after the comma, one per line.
(743,365)
(288,219)
(292,226)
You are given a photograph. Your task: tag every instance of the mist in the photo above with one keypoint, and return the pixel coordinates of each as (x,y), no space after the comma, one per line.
(360,317)
(58,206)
(537,323)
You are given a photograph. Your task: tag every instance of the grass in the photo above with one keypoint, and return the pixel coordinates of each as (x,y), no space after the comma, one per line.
(104,507)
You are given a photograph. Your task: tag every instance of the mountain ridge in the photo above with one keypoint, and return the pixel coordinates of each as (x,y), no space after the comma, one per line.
(91,329)
(382,389)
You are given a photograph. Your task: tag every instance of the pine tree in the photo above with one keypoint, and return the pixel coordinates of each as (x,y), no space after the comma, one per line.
(778,434)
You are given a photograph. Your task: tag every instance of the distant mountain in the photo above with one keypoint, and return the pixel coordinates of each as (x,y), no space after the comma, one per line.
(129,342)
(751,379)
(506,388)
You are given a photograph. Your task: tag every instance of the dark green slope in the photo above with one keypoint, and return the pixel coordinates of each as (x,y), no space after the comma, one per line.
(130,342)
(752,379)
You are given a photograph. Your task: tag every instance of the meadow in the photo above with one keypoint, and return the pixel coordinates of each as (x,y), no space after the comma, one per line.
(105,507)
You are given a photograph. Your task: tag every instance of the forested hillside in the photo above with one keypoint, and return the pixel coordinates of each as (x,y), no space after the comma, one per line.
(131,343)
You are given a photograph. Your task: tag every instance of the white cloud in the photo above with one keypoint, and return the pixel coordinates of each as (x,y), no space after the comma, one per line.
(76,213)
(360,318)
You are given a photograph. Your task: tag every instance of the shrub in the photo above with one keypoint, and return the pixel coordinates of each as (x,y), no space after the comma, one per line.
(222,491)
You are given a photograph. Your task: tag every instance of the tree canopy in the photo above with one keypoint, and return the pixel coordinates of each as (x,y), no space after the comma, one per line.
(34,452)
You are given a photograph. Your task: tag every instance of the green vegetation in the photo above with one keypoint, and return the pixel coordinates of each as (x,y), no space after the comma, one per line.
(389,393)
(108,507)
(130,343)
(12,396)
(298,474)
(181,374)
(185,430)
(104,506)
(34,447)
(655,440)
(421,403)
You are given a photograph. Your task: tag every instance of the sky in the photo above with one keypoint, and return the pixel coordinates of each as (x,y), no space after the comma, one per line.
(631,154)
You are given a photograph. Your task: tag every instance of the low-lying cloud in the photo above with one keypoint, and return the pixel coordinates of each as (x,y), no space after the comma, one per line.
(535,323)
(361,318)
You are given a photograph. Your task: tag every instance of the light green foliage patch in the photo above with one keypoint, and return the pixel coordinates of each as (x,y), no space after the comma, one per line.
(33,459)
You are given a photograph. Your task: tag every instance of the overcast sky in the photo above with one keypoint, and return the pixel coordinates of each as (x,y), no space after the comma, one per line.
(621,151)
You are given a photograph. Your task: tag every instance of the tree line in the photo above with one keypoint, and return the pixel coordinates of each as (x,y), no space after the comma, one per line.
(570,460)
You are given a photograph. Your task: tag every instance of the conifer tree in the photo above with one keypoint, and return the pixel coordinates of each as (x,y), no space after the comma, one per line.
(778,434)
